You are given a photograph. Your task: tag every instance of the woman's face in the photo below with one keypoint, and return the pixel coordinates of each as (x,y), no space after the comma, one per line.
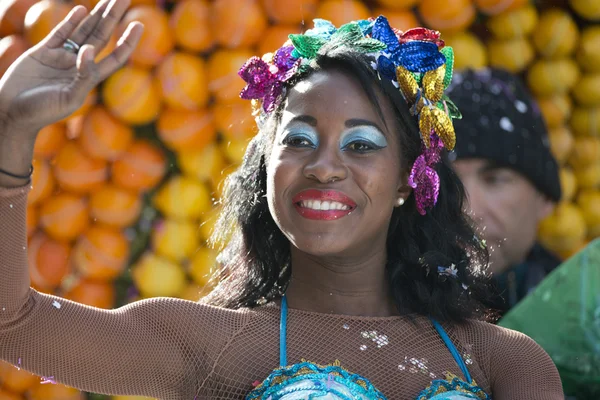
(334,175)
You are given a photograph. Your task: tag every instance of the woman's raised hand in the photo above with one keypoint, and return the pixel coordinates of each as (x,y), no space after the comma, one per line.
(51,80)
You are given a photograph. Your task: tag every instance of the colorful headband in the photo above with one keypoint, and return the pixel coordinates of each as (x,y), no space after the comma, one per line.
(415,61)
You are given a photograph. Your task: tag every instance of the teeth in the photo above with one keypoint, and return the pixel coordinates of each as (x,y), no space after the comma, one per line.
(323,205)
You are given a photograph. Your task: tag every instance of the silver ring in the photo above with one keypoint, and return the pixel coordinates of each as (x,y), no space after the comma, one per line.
(71,46)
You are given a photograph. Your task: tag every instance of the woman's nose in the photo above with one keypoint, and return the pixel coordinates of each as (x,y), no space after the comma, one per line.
(326,166)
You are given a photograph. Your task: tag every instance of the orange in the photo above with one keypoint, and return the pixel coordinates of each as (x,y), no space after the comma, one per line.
(101,254)
(587,92)
(586,121)
(54,392)
(589,204)
(588,177)
(561,143)
(64,216)
(140,168)
(183,81)
(6,395)
(103,136)
(275,36)
(42,182)
(290,11)
(588,53)
(12,16)
(399,19)
(50,140)
(132,95)
(586,151)
(223,80)
(340,12)
(206,164)
(90,101)
(115,207)
(155,276)
(397,4)
(32,220)
(235,149)
(548,77)
(564,229)
(202,265)
(237,23)
(15,380)
(495,7)
(235,121)
(514,23)
(190,25)
(75,171)
(447,15)
(157,40)
(513,55)
(469,51)
(556,109)
(110,46)
(588,9)
(49,262)
(186,130)
(42,18)
(175,240)
(568,184)
(556,34)
(11,48)
(183,198)
(92,293)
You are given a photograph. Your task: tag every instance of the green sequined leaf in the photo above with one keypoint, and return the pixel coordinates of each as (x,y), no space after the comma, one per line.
(307,46)
(447,105)
(448,52)
(348,33)
(368,45)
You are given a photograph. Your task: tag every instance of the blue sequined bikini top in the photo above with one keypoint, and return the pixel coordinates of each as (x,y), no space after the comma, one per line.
(306,380)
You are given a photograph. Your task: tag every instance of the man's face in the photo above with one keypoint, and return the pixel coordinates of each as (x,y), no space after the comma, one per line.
(507,208)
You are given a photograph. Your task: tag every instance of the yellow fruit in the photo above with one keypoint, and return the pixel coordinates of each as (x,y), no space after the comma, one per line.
(209,220)
(555,109)
(587,90)
(202,265)
(175,240)
(192,292)
(513,55)
(556,34)
(469,51)
(547,77)
(568,184)
(235,149)
(183,198)
(563,229)
(205,165)
(588,177)
(586,121)
(588,53)
(589,204)
(586,151)
(588,9)
(514,24)
(155,276)
(561,143)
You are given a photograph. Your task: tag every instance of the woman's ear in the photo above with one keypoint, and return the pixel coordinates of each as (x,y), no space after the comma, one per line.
(403,190)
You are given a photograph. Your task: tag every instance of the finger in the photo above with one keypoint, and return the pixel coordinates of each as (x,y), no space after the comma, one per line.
(85,28)
(125,46)
(111,16)
(85,64)
(57,37)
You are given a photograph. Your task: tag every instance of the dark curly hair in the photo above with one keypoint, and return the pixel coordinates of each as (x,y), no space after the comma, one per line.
(255,262)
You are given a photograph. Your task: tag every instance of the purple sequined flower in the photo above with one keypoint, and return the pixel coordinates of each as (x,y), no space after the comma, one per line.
(423,178)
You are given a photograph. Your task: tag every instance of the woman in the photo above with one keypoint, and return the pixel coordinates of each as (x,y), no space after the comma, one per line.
(341,269)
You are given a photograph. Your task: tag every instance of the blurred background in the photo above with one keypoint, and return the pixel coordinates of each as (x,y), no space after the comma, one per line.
(124,190)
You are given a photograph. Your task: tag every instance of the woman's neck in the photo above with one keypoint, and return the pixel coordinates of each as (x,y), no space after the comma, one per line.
(338,287)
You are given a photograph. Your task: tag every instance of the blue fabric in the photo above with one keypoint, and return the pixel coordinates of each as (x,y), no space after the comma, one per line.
(457,357)
(283,333)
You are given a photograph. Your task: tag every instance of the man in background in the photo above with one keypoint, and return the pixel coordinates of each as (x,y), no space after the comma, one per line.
(503,158)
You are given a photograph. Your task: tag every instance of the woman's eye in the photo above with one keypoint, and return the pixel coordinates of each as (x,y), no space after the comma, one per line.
(361,147)
(298,141)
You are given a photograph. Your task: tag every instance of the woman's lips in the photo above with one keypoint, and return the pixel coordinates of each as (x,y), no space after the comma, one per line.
(325,205)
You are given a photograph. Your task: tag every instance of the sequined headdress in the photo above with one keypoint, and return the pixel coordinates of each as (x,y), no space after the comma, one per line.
(415,61)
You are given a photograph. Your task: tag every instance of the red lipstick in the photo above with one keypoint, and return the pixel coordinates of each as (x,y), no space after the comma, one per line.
(304,203)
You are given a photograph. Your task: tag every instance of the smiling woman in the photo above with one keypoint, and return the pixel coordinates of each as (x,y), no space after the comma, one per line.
(351,271)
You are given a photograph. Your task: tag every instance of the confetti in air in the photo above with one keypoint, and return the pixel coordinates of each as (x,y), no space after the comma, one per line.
(48,379)
(56,304)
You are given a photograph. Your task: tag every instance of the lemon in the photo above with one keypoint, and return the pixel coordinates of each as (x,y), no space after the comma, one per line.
(555,109)
(586,151)
(564,229)
(568,184)
(589,204)
(513,55)
(587,90)
(205,165)
(202,265)
(586,121)
(183,198)
(556,34)
(469,51)
(155,276)
(588,177)
(175,239)
(588,9)
(513,24)
(561,143)
(193,292)
(548,77)
(235,149)
(588,53)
